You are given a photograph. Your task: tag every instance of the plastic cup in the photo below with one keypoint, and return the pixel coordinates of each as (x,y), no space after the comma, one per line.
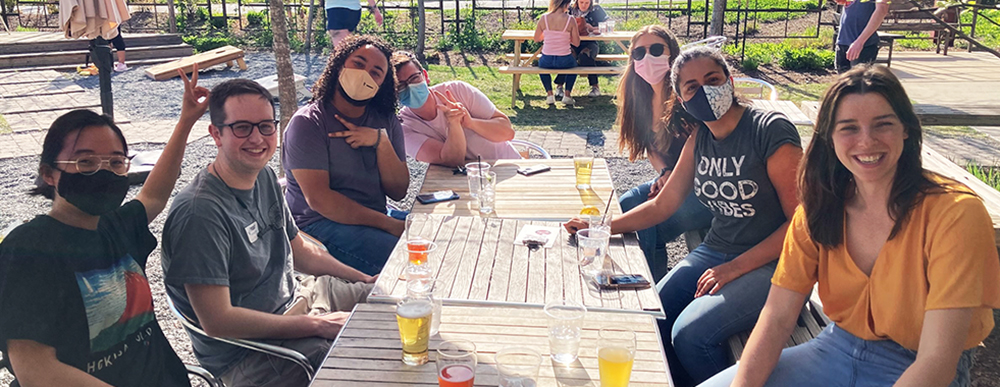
(418,227)
(472,170)
(418,251)
(565,320)
(518,366)
(488,193)
(615,354)
(456,363)
(591,246)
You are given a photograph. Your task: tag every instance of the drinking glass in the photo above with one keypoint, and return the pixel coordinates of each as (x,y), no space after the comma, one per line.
(602,27)
(456,363)
(591,246)
(611,26)
(518,366)
(418,250)
(600,222)
(488,193)
(615,353)
(413,314)
(472,170)
(428,288)
(583,165)
(417,227)
(565,320)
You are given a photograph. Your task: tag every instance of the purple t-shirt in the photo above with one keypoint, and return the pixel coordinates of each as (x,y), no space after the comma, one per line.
(353,172)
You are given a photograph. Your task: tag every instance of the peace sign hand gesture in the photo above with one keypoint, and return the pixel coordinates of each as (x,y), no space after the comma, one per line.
(195,100)
(356,136)
(454,111)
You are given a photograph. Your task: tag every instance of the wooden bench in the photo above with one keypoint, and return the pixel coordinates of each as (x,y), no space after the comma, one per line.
(887,39)
(226,54)
(600,57)
(904,16)
(929,114)
(585,70)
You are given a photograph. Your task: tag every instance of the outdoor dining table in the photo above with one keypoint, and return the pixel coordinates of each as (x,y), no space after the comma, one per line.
(521,36)
(548,195)
(477,263)
(367,352)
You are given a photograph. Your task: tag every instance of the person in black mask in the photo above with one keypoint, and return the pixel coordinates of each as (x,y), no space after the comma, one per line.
(75,304)
(344,154)
(741,164)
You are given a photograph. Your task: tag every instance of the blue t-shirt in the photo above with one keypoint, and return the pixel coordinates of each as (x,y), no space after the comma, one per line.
(731,180)
(854,20)
(349,4)
(353,172)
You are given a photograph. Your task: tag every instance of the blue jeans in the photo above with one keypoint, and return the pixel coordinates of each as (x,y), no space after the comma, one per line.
(695,331)
(557,62)
(362,247)
(691,215)
(838,358)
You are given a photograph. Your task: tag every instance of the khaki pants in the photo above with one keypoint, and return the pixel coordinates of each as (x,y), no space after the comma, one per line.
(314,296)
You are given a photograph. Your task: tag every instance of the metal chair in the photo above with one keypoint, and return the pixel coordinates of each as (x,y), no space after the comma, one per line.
(529,146)
(749,86)
(269,349)
(202,373)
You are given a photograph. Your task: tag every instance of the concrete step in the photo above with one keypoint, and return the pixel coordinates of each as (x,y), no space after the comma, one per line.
(78,57)
(81,44)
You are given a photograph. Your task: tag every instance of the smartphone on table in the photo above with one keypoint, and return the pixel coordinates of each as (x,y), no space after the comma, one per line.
(622,281)
(435,197)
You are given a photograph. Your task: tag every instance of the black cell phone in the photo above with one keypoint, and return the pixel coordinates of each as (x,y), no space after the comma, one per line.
(439,196)
(533,170)
(622,281)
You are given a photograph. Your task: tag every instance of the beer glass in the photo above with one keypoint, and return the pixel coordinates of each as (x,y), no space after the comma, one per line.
(615,354)
(472,170)
(414,316)
(428,288)
(565,320)
(418,250)
(518,366)
(456,363)
(583,165)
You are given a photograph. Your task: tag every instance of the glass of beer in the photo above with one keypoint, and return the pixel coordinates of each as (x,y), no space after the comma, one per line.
(417,250)
(583,165)
(456,363)
(414,317)
(615,354)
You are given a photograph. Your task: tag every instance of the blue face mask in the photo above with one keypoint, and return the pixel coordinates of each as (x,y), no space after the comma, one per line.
(414,95)
(709,103)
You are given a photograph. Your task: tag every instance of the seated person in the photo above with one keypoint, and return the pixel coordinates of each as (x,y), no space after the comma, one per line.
(905,259)
(450,122)
(588,15)
(558,33)
(75,305)
(229,248)
(344,154)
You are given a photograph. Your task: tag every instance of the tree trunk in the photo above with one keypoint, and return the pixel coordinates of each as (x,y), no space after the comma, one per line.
(286,75)
(171,16)
(309,25)
(718,18)
(421,28)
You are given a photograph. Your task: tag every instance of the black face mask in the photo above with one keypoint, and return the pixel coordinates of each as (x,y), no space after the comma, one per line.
(95,194)
(353,101)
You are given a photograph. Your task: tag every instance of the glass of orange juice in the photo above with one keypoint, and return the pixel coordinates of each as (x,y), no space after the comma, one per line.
(418,250)
(456,363)
(615,354)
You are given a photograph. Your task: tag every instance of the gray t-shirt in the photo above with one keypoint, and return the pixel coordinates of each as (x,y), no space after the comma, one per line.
(353,172)
(217,235)
(854,20)
(731,180)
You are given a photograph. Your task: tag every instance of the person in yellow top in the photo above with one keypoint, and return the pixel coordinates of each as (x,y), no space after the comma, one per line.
(909,273)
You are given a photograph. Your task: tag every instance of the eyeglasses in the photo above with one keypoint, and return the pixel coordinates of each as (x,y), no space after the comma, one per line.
(89,165)
(655,50)
(242,129)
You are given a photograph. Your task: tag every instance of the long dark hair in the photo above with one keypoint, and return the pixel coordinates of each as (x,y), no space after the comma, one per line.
(384,102)
(55,142)
(635,118)
(825,185)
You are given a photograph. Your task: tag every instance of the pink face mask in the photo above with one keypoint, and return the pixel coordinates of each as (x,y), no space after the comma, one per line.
(652,69)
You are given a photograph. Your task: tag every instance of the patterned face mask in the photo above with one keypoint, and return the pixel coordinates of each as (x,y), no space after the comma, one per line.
(709,103)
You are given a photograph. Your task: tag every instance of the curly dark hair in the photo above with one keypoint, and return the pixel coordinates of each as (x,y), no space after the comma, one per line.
(385,100)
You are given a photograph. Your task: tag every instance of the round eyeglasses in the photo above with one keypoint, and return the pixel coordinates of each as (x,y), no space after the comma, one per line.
(242,129)
(655,49)
(89,165)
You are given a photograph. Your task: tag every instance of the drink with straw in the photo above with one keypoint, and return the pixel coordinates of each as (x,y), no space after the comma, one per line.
(615,354)
(584,166)
(414,318)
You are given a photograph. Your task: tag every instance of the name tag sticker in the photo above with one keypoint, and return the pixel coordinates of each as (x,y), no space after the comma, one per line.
(252,231)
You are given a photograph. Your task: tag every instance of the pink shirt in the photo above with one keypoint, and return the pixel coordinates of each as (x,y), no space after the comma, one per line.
(416,130)
(557,42)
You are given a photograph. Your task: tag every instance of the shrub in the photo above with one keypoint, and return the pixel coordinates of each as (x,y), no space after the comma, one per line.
(210,41)
(806,59)
(257,19)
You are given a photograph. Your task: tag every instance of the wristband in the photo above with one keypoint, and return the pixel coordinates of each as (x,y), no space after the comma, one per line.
(379,138)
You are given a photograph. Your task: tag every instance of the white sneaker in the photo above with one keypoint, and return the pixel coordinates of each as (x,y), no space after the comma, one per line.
(119,67)
(559,91)
(550,100)
(594,92)
(567,100)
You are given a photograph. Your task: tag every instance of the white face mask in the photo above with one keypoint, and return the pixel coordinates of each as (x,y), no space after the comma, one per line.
(358,84)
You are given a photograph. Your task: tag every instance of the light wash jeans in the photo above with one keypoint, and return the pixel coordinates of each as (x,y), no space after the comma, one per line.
(691,215)
(695,331)
(838,358)
(361,247)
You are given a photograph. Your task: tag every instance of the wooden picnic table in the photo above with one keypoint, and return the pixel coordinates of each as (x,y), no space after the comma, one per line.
(548,195)
(478,263)
(367,352)
(791,111)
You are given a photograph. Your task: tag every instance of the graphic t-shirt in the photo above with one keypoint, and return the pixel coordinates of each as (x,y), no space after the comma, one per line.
(731,180)
(85,293)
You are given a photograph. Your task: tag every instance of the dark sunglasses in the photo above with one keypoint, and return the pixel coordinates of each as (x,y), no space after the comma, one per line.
(242,129)
(655,50)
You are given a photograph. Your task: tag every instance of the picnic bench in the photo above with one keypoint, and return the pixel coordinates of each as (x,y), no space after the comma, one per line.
(906,16)
(521,63)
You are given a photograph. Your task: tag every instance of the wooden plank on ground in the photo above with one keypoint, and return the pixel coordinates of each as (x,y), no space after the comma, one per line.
(204,60)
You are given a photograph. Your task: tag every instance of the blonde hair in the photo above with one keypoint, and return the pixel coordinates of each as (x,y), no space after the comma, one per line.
(556,4)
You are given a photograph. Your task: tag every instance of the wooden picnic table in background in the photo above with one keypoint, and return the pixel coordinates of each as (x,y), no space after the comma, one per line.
(367,353)
(791,111)
(520,36)
(548,195)
(478,263)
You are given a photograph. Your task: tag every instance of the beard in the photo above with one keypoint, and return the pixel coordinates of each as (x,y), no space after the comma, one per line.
(353,101)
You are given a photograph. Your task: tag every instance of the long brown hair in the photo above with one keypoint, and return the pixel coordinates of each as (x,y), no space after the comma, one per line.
(825,185)
(384,102)
(635,118)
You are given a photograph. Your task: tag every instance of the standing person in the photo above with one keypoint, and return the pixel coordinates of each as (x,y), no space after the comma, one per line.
(457,123)
(741,165)
(75,304)
(558,33)
(857,41)
(344,154)
(119,44)
(343,16)
(588,15)
(654,125)
(229,248)
(905,259)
